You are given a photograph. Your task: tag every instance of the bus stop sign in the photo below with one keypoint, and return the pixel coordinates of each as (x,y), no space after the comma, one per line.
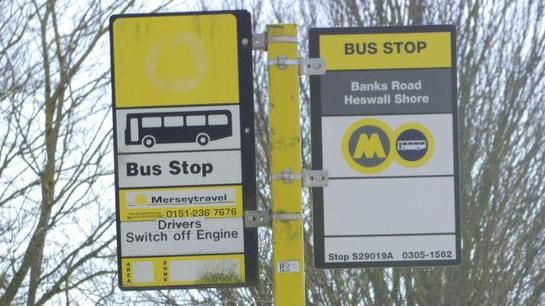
(184,149)
(384,125)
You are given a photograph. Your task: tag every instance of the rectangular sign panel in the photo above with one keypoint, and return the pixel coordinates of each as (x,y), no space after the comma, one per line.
(384,125)
(184,149)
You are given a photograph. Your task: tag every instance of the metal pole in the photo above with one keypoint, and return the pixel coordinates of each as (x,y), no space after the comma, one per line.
(285,145)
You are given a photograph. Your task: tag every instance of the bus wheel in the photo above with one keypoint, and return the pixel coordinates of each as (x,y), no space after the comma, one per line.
(148,141)
(203,139)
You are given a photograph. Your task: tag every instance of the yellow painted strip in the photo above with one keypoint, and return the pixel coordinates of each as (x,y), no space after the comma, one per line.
(175,60)
(285,141)
(386,51)
(187,202)
(183,270)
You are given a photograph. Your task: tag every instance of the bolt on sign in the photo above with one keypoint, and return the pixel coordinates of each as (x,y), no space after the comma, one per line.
(184,149)
(384,125)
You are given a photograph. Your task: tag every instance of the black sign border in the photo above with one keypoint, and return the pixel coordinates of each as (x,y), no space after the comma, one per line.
(317,158)
(247,137)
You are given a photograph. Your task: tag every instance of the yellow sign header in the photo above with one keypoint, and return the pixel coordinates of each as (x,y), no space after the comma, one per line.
(188,202)
(386,51)
(175,60)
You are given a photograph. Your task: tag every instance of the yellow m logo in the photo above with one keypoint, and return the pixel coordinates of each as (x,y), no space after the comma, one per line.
(369,146)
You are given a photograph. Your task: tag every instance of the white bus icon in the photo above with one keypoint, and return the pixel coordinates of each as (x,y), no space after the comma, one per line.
(411,145)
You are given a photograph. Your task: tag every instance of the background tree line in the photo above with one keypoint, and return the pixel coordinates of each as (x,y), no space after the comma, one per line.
(57,243)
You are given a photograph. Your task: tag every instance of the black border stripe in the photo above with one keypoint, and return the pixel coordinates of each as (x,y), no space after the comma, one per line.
(177,151)
(455,135)
(393,264)
(362,115)
(387,177)
(388,235)
(389,69)
(177,105)
(183,255)
(180,186)
(384,29)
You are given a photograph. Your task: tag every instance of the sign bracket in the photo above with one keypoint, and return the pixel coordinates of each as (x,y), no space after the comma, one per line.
(311,66)
(310,178)
(257,218)
(264,218)
(259,41)
(315,178)
(307,66)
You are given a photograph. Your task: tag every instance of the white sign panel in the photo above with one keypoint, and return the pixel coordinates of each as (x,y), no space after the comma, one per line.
(175,169)
(384,127)
(182,236)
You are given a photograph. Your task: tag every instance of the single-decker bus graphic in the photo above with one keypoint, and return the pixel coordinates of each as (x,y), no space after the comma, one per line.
(178,127)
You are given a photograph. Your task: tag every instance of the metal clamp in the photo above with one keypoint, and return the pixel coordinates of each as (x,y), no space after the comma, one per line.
(257,218)
(282,39)
(311,66)
(311,178)
(260,218)
(287,176)
(283,62)
(261,40)
(315,178)
(307,66)
(287,217)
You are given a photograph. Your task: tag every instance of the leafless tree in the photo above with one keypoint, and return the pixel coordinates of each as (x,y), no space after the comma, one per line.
(501,48)
(56,237)
(56,226)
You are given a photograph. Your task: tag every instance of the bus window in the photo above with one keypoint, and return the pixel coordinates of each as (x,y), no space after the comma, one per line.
(218,120)
(151,122)
(171,121)
(134,130)
(195,121)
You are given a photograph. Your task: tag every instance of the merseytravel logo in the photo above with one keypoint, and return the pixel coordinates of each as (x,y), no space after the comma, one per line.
(141,199)
(370,145)
(176,197)
(367,146)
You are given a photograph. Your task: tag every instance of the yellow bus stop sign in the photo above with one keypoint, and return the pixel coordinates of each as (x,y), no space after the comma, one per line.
(184,149)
